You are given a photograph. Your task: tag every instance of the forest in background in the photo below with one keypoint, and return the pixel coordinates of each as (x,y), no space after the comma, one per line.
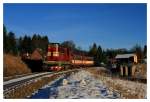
(23,44)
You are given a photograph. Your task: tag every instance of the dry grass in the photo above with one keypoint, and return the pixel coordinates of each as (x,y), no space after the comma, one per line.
(127,89)
(14,66)
(141,71)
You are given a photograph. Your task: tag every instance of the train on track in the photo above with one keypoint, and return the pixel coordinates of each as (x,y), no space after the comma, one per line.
(57,58)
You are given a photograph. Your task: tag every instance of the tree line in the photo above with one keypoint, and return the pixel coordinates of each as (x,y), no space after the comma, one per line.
(29,44)
(103,56)
(23,44)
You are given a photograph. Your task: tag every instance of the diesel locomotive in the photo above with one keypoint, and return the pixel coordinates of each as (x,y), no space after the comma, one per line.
(59,58)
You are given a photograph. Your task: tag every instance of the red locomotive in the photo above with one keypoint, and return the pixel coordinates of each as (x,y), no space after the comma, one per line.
(59,58)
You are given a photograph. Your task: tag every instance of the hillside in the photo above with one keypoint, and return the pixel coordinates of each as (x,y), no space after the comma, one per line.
(14,66)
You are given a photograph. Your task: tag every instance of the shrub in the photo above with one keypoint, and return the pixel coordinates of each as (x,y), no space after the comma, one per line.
(14,66)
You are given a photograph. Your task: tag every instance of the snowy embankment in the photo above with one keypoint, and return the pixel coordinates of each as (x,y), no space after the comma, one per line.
(127,89)
(78,85)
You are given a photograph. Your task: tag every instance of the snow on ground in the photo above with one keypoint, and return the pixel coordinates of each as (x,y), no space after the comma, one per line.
(78,85)
(83,85)
(128,89)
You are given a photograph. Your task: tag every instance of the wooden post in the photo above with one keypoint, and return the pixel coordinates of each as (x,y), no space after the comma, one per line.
(126,70)
(133,70)
(121,70)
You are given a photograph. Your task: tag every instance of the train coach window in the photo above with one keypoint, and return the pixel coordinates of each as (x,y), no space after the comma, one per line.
(89,58)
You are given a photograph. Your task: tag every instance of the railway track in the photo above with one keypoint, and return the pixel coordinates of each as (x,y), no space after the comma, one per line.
(16,81)
(18,76)
(12,85)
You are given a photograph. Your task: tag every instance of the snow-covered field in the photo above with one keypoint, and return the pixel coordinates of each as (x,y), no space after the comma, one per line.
(78,85)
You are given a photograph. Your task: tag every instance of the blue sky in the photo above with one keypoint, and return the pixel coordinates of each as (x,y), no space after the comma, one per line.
(108,25)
